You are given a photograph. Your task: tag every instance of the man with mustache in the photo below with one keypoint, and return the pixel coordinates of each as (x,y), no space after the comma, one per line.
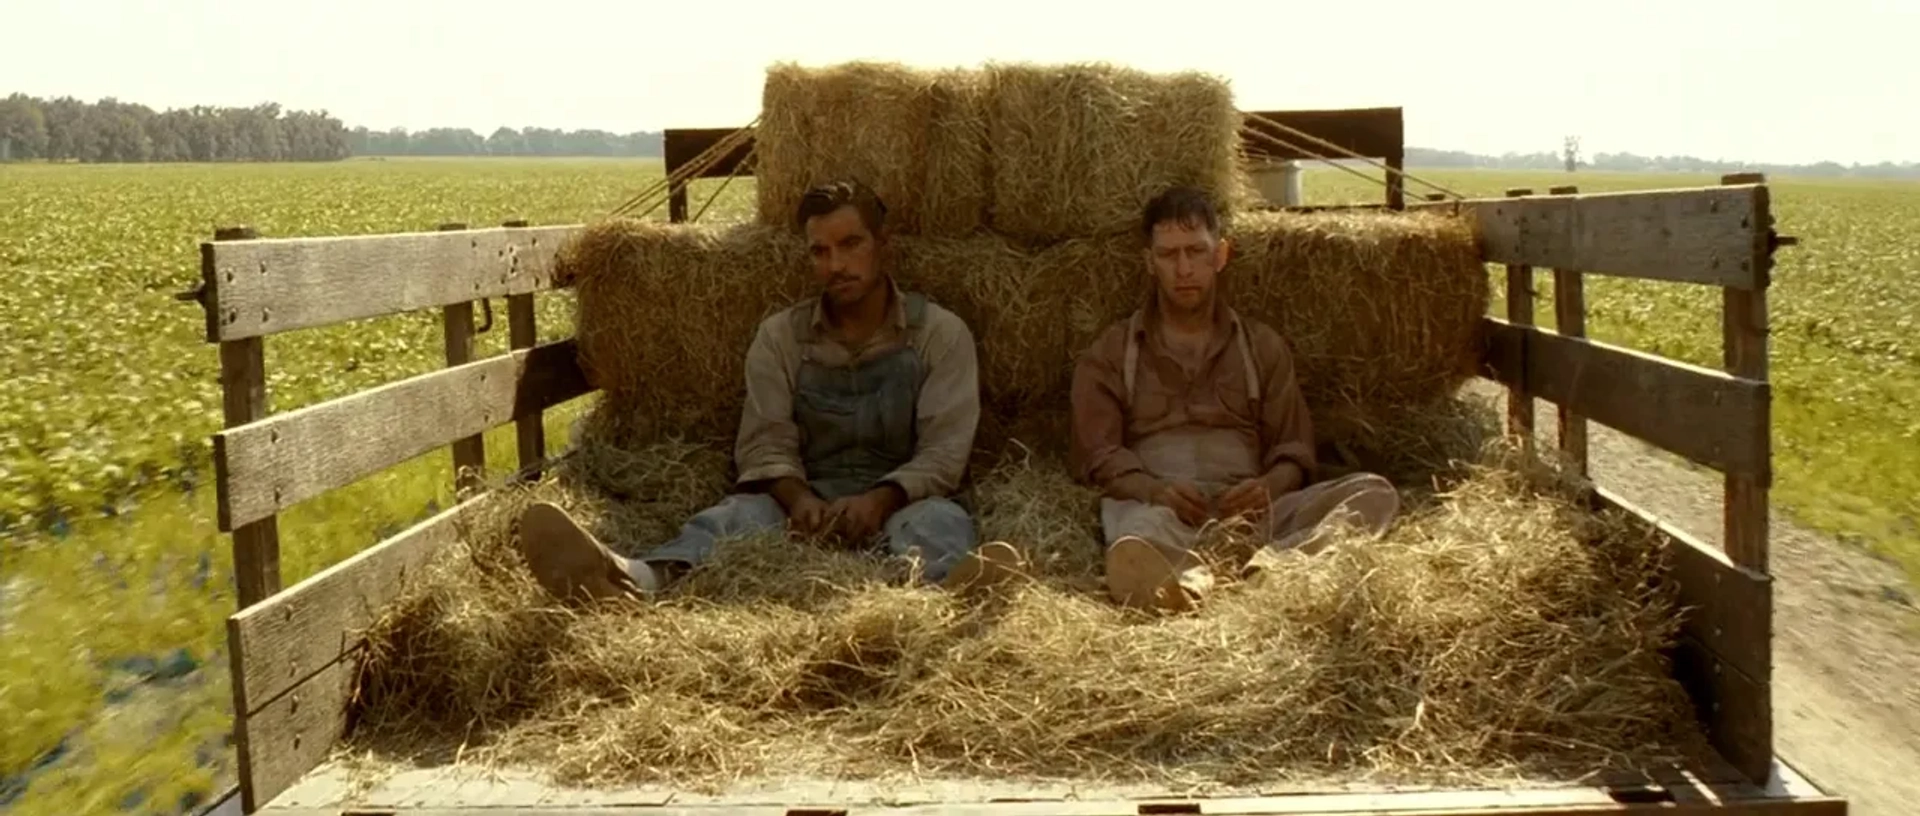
(1187,412)
(860,414)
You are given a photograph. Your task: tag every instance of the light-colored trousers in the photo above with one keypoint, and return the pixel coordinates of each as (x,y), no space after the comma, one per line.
(941,530)
(1290,520)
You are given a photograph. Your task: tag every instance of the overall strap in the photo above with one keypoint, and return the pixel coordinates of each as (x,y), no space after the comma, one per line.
(916,309)
(1246,358)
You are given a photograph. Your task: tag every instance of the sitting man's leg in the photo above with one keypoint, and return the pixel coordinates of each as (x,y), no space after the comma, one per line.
(941,535)
(1150,558)
(1306,520)
(571,562)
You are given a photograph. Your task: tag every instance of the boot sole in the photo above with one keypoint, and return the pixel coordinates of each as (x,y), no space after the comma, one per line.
(564,558)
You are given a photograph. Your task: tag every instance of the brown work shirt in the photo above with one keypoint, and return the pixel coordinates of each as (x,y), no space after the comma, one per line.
(1208,417)
(946,414)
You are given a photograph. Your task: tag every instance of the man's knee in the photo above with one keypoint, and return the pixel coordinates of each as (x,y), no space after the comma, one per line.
(936,516)
(744,511)
(1151,522)
(1371,500)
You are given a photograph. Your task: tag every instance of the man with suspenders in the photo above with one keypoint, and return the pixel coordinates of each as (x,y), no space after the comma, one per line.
(1187,412)
(860,414)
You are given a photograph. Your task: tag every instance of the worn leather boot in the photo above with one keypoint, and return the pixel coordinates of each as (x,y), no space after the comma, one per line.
(993,564)
(569,562)
(1140,575)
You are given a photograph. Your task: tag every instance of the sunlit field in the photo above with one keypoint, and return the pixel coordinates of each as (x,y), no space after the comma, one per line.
(114,580)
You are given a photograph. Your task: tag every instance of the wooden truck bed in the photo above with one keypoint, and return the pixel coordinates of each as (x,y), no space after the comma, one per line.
(333,789)
(294,650)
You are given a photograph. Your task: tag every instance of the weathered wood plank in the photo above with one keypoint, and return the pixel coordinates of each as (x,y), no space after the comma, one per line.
(1520,416)
(1570,319)
(1735,708)
(1585,801)
(270,465)
(286,639)
(243,386)
(1725,656)
(1408,804)
(523,333)
(1705,235)
(293,734)
(261,287)
(1396,184)
(1729,607)
(470,453)
(1712,418)
(1744,339)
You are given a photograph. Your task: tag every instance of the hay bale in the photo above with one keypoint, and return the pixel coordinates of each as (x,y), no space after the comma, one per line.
(662,304)
(1079,149)
(1498,630)
(1383,310)
(917,137)
(1012,306)
(665,312)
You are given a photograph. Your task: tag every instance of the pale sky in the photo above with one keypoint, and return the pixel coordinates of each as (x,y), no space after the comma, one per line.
(1759,80)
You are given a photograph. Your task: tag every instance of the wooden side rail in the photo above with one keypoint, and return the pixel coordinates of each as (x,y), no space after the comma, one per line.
(1570,320)
(294,656)
(1715,419)
(290,676)
(1721,236)
(1718,236)
(272,464)
(257,287)
(1724,657)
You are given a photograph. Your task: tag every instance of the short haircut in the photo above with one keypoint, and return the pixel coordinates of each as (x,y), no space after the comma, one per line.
(1186,205)
(825,198)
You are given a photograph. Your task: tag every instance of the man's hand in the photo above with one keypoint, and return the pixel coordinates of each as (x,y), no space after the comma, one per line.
(807,513)
(810,515)
(1185,500)
(861,518)
(1250,499)
(1253,497)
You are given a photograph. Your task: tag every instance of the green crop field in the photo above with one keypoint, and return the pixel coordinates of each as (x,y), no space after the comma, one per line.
(114,580)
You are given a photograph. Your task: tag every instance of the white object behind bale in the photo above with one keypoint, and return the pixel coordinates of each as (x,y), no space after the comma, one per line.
(1278,182)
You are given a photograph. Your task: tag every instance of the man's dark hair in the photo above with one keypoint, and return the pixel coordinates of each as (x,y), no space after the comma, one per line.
(1186,205)
(826,198)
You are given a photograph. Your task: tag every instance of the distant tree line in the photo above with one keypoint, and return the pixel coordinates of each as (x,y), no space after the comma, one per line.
(1633,163)
(67,129)
(505,141)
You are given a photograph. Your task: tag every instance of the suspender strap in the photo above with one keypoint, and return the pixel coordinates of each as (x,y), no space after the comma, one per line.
(1132,360)
(1246,360)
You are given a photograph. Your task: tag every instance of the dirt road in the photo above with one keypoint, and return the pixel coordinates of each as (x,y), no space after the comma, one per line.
(1846,633)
